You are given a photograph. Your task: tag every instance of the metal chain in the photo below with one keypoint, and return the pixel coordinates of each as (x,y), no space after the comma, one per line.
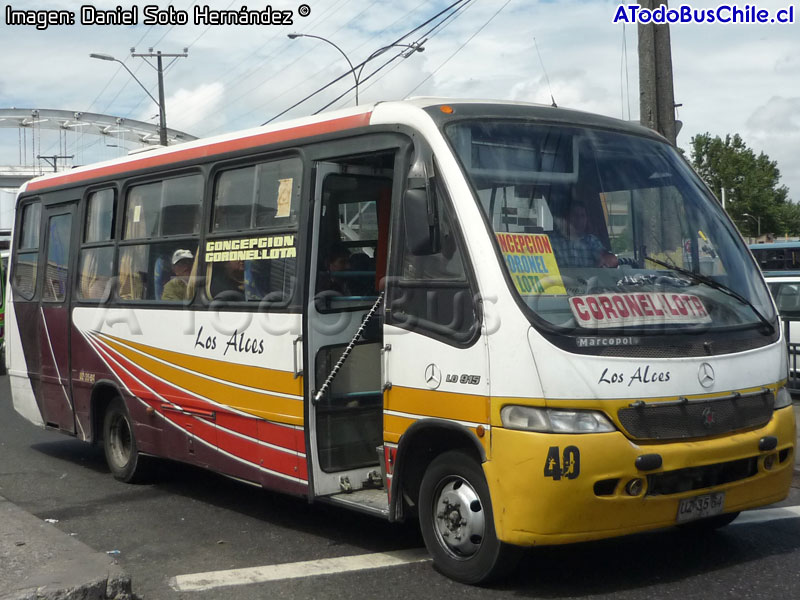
(347,350)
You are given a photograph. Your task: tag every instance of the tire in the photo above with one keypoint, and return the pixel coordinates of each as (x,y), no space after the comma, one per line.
(709,524)
(456,519)
(119,443)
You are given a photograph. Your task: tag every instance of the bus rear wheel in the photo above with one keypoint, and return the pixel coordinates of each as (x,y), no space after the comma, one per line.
(119,443)
(457,523)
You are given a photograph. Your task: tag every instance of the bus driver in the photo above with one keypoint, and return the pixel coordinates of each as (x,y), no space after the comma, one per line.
(577,247)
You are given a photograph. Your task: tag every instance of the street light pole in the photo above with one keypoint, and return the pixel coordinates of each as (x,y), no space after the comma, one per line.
(756,219)
(162,107)
(415,47)
(293,36)
(162,120)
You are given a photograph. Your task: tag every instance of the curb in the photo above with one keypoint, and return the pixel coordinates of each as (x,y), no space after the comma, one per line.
(40,562)
(115,587)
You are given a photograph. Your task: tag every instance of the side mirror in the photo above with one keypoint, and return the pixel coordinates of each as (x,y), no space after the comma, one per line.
(421,234)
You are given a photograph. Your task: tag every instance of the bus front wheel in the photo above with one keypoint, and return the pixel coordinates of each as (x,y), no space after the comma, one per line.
(119,442)
(455,514)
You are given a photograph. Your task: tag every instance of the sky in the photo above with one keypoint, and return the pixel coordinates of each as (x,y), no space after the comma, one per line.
(729,78)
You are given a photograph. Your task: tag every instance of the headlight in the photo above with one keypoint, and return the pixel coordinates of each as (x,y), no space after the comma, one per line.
(550,420)
(782,399)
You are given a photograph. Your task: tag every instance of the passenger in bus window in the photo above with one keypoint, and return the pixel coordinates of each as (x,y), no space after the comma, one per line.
(227,281)
(576,246)
(175,289)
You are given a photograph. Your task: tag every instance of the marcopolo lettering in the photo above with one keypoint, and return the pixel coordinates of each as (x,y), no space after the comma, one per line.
(591,342)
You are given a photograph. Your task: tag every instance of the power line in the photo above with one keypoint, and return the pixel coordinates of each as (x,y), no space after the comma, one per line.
(197,105)
(347,74)
(149,29)
(481,28)
(428,35)
(323,68)
(152,45)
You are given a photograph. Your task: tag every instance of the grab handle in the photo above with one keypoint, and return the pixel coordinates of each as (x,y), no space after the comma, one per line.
(387,385)
(297,370)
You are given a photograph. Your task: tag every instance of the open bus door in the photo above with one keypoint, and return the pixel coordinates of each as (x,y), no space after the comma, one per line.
(345,416)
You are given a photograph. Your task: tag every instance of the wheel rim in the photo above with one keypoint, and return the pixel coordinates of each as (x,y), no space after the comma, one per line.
(459,519)
(120,441)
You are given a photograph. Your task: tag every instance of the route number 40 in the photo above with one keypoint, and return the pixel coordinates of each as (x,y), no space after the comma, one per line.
(558,465)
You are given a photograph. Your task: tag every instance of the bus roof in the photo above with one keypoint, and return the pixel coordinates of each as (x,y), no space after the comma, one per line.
(774,245)
(340,120)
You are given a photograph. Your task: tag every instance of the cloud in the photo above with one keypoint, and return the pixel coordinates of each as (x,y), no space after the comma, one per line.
(779,116)
(774,128)
(730,79)
(196,108)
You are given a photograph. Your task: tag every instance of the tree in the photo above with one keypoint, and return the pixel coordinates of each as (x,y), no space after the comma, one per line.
(751,183)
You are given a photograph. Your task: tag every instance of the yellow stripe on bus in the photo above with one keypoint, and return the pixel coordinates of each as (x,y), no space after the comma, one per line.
(395,426)
(434,403)
(273,408)
(270,380)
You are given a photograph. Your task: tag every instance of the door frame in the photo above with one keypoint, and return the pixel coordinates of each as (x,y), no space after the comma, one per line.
(63,372)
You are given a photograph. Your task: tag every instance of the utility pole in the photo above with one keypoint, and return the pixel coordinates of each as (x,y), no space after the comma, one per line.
(162,107)
(656,93)
(52,159)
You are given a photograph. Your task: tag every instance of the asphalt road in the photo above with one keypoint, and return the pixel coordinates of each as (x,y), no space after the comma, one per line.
(188,521)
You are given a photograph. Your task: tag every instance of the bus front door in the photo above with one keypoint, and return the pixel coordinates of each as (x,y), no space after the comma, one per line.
(54,312)
(345,397)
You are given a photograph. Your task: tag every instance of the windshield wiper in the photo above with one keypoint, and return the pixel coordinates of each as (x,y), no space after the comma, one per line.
(717,286)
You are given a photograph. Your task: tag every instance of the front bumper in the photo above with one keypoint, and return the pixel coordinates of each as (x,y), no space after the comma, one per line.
(532,507)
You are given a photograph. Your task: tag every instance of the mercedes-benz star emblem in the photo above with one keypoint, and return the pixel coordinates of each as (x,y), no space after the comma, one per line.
(433,376)
(706,375)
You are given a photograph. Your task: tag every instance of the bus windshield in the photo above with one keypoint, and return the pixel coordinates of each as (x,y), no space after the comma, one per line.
(602,230)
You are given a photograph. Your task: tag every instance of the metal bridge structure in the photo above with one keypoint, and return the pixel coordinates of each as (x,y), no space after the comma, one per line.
(35,141)
(47,140)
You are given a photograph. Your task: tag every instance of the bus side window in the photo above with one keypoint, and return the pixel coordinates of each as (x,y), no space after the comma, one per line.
(432,293)
(248,266)
(160,242)
(26,262)
(96,262)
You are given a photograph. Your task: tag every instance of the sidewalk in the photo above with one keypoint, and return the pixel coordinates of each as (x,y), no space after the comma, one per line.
(38,561)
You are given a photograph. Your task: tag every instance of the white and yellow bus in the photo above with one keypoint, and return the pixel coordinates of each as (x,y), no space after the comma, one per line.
(521,325)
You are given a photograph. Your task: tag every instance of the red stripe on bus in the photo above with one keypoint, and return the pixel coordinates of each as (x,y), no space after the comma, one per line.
(270,458)
(247,449)
(209,150)
(164,390)
(273,433)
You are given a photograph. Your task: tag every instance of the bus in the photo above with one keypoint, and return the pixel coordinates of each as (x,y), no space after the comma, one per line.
(777,258)
(520,325)
(780,264)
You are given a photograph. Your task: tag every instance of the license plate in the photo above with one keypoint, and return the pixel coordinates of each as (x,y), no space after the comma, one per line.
(700,507)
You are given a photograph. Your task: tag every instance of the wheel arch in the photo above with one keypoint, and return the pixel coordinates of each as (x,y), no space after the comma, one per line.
(418,447)
(103,392)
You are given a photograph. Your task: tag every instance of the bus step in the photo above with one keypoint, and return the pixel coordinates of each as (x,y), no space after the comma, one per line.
(374,502)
